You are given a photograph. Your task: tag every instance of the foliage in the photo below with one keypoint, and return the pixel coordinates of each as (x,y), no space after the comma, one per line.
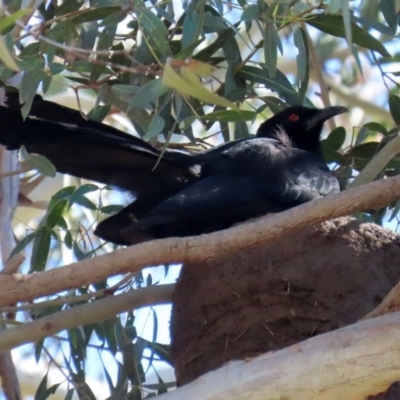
(190,73)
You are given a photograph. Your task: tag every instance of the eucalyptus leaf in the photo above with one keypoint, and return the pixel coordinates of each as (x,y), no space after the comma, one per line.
(394,107)
(333,25)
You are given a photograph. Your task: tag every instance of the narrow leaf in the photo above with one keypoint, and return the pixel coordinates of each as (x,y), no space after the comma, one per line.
(394,107)
(153,29)
(347,22)
(388,9)
(250,13)
(193,22)
(333,25)
(230,116)
(156,126)
(6,57)
(148,94)
(40,250)
(271,40)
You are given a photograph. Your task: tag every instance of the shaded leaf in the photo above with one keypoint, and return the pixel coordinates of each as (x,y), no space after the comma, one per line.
(38,162)
(230,116)
(22,244)
(241,131)
(388,9)
(302,60)
(153,29)
(271,41)
(6,56)
(156,126)
(95,14)
(279,83)
(347,22)
(40,249)
(148,94)
(250,13)
(394,107)
(193,22)
(189,84)
(333,25)
(335,140)
(9,20)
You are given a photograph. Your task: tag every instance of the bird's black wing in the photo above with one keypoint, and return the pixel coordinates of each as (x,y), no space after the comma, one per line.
(211,204)
(95,151)
(249,178)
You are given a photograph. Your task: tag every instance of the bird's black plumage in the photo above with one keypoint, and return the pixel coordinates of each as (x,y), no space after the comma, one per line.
(187,193)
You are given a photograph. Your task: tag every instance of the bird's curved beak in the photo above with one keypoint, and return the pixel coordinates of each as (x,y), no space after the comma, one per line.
(324,114)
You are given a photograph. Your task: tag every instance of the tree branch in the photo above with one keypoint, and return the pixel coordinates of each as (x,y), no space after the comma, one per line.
(89,313)
(376,165)
(350,363)
(374,195)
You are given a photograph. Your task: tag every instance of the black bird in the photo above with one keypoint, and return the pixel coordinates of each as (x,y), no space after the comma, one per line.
(187,193)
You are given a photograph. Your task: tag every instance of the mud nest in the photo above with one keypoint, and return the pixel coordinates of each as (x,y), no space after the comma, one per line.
(266,298)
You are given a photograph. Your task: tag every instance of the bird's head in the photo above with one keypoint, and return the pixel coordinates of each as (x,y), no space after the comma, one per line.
(301,124)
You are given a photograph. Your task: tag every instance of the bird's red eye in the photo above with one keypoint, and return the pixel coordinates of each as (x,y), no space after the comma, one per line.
(293,117)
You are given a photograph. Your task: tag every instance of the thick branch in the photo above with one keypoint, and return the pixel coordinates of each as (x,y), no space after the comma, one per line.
(89,313)
(28,287)
(349,363)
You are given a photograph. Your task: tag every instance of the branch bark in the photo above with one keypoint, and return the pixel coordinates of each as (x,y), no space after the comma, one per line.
(99,310)
(350,363)
(17,288)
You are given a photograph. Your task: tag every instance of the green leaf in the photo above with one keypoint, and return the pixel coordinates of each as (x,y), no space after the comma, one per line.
(187,52)
(22,244)
(40,250)
(271,43)
(105,41)
(41,388)
(56,68)
(85,202)
(335,139)
(394,107)
(156,126)
(376,127)
(54,216)
(29,85)
(347,22)
(250,13)
(193,22)
(78,196)
(230,116)
(68,7)
(189,84)
(112,209)
(303,61)
(334,6)
(366,150)
(114,19)
(241,131)
(10,20)
(388,9)
(153,29)
(98,113)
(6,56)
(40,163)
(206,53)
(63,194)
(148,94)
(279,83)
(95,14)
(333,25)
